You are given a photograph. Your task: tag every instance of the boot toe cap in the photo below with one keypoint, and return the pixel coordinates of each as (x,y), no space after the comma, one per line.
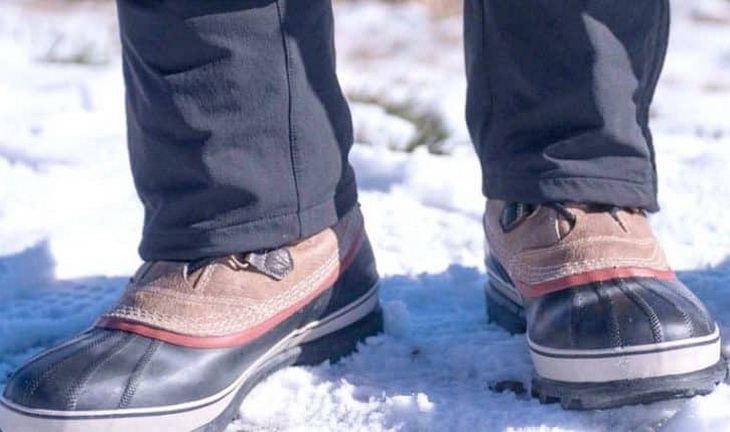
(90,372)
(618,313)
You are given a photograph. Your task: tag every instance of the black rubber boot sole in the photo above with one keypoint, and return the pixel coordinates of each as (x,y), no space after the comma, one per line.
(509,315)
(331,347)
(615,394)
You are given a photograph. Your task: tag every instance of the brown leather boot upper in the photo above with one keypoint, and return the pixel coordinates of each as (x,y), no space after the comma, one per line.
(233,299)
(545,250)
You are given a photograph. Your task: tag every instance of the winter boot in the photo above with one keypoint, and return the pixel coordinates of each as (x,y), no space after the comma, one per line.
(188,341)
(608,323)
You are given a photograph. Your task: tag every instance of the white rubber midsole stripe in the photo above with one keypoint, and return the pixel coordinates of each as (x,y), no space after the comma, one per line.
(504,287)
(342,318)
(181,417)
(662,346)
(629,365)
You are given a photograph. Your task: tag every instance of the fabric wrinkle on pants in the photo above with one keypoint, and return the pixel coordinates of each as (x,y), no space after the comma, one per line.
(239,131)
(558,98)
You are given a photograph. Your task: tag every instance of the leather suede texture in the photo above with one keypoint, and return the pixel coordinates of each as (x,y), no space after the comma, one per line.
(544,248)
(228,296)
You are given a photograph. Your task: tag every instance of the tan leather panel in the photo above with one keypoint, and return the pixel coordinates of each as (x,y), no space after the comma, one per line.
(543,249)
(226,297)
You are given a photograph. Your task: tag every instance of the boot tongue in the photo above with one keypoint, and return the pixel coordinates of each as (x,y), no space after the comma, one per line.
(514,214)
(276,264)
(566,210)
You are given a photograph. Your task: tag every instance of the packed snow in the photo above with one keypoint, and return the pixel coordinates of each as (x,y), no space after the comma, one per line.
(70,220)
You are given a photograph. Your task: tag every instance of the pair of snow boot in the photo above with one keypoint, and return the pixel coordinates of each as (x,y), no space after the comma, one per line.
(607,323)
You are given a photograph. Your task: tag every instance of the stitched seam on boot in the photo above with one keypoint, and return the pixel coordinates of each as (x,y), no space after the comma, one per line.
(74,392)
(614,328)
(51,369)
(656,327)
(226,323)
(674,304)
(344,231)
(522,267)
(131,388)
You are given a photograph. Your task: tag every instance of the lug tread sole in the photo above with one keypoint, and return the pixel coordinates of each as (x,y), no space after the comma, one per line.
(614,394)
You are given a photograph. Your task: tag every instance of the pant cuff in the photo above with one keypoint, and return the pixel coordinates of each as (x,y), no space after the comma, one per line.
(616,192)
(264,233)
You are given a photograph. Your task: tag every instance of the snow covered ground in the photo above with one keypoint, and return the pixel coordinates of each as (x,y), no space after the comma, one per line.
(69,219)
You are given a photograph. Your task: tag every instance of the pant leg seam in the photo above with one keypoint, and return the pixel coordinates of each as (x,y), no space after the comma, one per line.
(290,114)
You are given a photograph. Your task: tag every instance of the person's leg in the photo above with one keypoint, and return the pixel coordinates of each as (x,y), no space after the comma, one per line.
(256,253)
(559,95)
(558,104)
(238,130)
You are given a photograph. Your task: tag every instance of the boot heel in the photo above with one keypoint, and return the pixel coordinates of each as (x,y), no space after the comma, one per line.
(504,312)
(341,343)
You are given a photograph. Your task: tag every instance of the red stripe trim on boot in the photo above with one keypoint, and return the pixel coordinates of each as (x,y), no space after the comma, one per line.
(541,289)
(235,339)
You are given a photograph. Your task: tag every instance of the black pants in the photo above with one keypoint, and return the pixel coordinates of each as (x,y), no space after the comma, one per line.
(239,132)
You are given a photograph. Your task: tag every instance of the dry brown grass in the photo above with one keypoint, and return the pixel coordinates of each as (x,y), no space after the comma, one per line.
(439,8)
(444,7)
(64,7)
